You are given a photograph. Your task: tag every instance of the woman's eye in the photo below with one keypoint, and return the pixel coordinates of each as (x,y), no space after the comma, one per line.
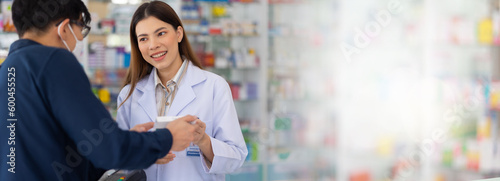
(161,33)
(142,39)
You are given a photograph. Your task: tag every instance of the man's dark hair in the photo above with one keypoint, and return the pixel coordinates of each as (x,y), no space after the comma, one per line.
(38,15)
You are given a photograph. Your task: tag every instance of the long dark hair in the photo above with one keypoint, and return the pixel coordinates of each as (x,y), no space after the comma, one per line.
(139,68)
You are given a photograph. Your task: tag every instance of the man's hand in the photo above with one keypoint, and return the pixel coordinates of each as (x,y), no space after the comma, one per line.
(182,132)
(143,127)
(170,156)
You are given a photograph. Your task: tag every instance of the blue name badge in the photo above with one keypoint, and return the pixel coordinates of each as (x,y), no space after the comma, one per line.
(193,150)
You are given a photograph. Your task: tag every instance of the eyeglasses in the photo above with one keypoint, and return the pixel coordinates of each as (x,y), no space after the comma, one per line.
(85,28)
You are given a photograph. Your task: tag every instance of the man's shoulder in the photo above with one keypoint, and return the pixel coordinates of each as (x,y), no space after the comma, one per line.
(49,52)
(41,53)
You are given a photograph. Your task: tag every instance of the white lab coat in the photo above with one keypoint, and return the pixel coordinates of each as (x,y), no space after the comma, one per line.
(203,94)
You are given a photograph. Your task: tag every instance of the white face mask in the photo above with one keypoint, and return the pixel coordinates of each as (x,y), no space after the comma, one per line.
(78,51)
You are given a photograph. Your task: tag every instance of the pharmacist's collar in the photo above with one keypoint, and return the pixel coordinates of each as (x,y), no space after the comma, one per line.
(194,75)
(146,83)
(177,77)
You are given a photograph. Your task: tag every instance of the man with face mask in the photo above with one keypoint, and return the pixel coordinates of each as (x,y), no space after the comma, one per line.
(52,125)
(79,44)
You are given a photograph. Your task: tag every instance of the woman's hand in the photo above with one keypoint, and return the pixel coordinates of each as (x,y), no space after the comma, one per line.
(143,127)
(170,156)
(203,141)
(199,133)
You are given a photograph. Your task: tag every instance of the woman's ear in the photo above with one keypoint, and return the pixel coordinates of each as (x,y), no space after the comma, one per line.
(61,29)
(180,33)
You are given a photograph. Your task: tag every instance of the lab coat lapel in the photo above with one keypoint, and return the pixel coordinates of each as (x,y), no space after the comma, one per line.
(147,99)
(186,94)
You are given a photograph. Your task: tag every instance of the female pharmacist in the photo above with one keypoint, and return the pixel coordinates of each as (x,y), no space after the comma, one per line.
(165,79)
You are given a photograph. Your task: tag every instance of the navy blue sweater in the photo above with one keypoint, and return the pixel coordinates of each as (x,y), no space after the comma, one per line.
(52,127)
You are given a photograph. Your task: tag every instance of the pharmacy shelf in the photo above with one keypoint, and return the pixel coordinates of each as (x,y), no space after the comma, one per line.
(251,110)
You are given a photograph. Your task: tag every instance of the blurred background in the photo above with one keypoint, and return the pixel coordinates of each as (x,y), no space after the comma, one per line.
(352,90)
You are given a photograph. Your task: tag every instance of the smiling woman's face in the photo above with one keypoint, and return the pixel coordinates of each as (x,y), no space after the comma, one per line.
(158,43)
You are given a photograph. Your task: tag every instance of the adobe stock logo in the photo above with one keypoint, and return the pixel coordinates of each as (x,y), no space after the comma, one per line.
(363,37)
(454,117)
(84,147)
